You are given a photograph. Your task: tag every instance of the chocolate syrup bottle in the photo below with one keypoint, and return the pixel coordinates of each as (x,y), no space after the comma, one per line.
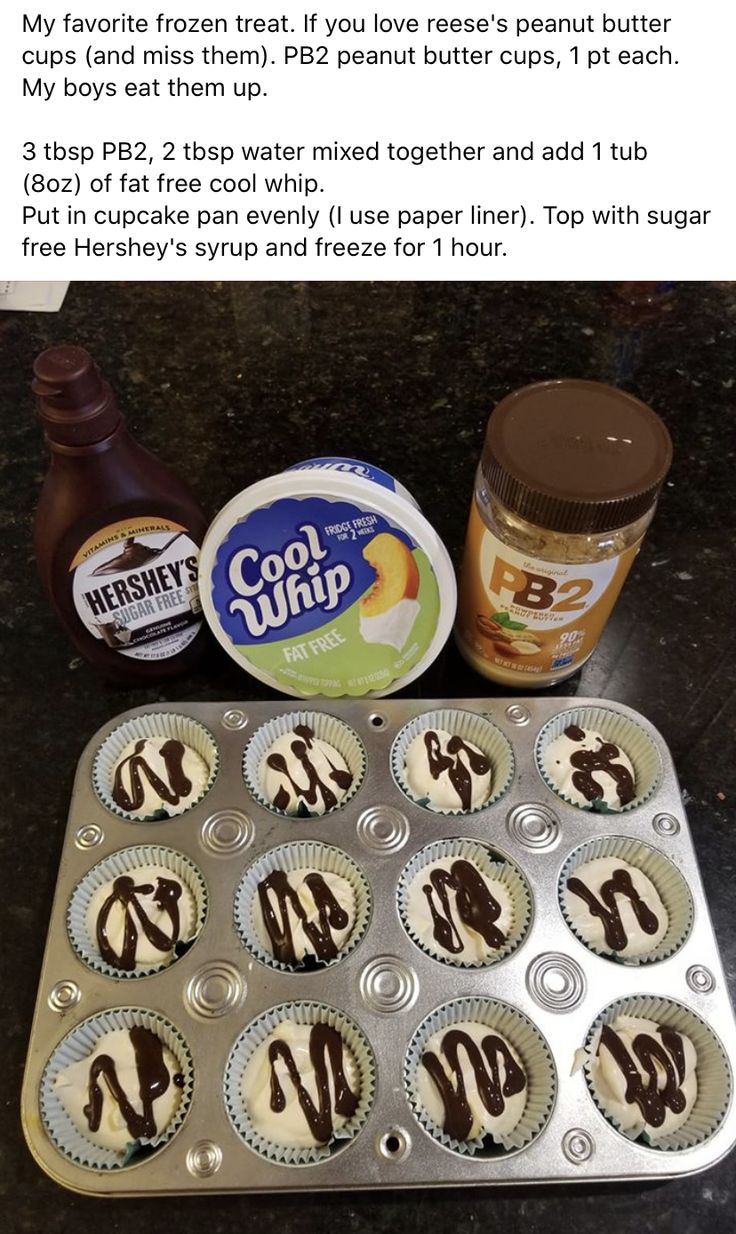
(117,534)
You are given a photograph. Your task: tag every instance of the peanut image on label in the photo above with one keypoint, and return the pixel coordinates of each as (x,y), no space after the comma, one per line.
(510,638)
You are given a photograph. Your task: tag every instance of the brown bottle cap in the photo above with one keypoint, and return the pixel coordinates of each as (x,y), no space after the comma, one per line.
(575,456)
(75,403)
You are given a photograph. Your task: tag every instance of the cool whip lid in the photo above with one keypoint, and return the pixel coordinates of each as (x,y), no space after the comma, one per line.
(328,581)
(356,467)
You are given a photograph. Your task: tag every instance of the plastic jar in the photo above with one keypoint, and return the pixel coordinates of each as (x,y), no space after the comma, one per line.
(328,579)
(566,487)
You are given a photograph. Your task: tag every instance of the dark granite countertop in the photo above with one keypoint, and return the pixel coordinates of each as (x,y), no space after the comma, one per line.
(230,382)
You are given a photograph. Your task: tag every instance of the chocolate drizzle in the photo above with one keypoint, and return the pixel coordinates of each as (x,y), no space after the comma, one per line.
(125,893)
(669,1053)
(484,1061)
(153,1081)
(282,798)
(331,916)
(300,747)
(178,786)
(586,762)
(475,905)
(458,773)
(607,910)
(325,1045)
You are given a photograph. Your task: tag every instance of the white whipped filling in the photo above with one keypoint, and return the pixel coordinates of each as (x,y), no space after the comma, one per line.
(145,952)
(609,1081)
(289,1128)
(594,874)
(324,759)
(483,1122)
(474,946)
(558,769)
(72,1087)
(341,890)
(193,765)
(441,793)
(392,627)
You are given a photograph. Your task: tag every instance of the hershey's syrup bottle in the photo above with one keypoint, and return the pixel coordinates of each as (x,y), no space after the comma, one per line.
(117,534)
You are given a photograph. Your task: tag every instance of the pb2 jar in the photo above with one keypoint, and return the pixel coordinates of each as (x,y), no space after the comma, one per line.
(566,487)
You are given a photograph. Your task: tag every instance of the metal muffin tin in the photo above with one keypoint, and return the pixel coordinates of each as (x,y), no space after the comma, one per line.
(386,984)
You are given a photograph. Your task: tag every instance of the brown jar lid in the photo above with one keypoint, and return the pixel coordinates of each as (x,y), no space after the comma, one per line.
(575,456)
(75,403)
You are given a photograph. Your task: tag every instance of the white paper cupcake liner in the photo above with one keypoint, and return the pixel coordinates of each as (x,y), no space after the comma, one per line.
(79,1044)
(713,1071)
(326,728)
(154,724)
(246,1045)
(496,868)
(290,858)
(532,1049)
(622,732)
(668,881)
(476,729)
(127,861)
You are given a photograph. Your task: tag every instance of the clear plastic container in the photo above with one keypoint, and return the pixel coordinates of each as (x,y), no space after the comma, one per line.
(565,490)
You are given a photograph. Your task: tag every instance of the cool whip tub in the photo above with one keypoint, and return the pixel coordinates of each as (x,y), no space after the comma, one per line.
(328,579)
(356,467)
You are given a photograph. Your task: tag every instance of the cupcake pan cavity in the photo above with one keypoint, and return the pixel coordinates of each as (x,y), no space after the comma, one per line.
(617,727)
(713,1071)
(77,1046)
(384,984)
(294,859)
(326,728)
(180,727)
(128,862)
(665,878)
(493,867)
(307,1014)
(530,1049)
(478,731)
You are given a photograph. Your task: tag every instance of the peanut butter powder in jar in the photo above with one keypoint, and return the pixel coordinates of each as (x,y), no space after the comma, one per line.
(566,487)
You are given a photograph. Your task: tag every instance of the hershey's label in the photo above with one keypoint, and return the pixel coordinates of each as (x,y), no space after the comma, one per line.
(135,587)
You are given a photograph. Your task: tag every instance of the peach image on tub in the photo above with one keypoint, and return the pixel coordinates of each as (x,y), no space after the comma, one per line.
(390,608)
